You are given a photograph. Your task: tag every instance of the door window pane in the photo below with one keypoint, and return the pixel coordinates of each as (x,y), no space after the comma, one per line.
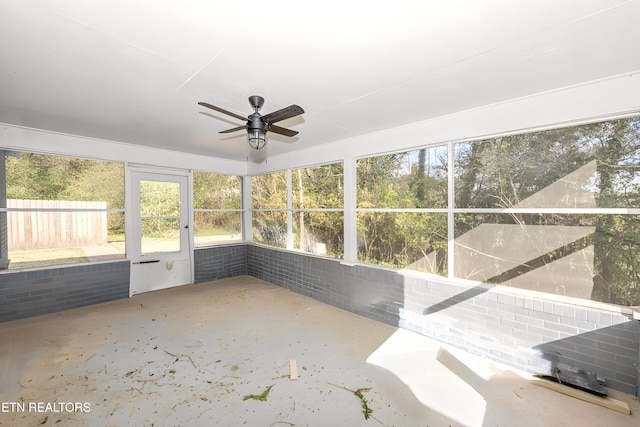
(158,198)
(159,216)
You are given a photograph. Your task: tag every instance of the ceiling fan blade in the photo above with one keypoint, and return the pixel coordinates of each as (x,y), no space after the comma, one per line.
(220,110)
(233,129)
(282,131)
(282,114)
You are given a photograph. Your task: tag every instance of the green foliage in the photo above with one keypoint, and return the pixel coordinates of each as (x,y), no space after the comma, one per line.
(318,187)
(502,172)
(261,397)
(270,228)
(269,191)
(510,172)
(159,198)
(366,411)
(365,405)
(216,191)
(47,177)
(212,195)
(505,172)
(312,188)
(416,179)
(404,240)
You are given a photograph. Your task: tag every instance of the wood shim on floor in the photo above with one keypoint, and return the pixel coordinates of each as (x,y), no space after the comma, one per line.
(293,369)
(607,402)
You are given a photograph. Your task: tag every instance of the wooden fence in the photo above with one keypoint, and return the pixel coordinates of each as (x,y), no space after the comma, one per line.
(45,224)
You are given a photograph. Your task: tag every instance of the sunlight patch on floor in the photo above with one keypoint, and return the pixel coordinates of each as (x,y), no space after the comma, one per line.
(413,358)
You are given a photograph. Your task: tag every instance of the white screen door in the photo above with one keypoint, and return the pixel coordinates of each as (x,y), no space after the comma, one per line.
(159,248)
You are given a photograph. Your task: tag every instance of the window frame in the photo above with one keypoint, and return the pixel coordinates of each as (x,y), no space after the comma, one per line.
(240,211)
(82,259)
(451,210)
(290,210)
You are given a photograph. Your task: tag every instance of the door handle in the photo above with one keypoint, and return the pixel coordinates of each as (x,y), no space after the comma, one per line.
(186,226)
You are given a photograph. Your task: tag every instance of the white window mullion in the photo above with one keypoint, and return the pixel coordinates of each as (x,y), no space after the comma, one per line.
(289,210)
(350,232)
(247,213)
(450,213)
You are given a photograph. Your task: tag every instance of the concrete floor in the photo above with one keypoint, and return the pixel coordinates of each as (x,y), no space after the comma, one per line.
(188,356)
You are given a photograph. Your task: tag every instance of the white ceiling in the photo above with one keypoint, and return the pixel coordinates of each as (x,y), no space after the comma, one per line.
(133,71)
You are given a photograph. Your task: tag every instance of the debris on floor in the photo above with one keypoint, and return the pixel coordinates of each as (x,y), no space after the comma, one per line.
(604,401)
(293,369)
(578,378)
(213,343)
(366,411)
(261,397)
(578,383)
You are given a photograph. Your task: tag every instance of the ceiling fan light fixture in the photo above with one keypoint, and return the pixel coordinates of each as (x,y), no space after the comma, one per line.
(257,139)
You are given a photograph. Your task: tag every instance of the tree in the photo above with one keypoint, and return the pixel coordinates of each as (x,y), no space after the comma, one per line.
(503,172)
(270,192)
(319,188)
(46,177)
(416,179)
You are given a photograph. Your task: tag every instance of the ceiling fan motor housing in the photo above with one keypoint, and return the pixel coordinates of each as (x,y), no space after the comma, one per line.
(256,102)
(256,127)
(255,123)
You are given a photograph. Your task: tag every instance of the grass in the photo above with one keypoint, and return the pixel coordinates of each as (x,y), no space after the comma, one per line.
(44,257)
(215,232)
(56,256)
(61,256)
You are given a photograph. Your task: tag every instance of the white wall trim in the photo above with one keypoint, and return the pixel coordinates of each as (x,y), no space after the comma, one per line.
(603,99)
(46,142)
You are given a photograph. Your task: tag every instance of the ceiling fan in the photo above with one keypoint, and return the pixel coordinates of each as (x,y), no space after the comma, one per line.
(258,125)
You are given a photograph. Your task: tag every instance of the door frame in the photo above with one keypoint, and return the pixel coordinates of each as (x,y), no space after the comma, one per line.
(131,216)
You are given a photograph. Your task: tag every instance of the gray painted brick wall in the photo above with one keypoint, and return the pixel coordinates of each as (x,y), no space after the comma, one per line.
(48,290)
(220,262)
(522,331)
(376,294)
(529,333)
